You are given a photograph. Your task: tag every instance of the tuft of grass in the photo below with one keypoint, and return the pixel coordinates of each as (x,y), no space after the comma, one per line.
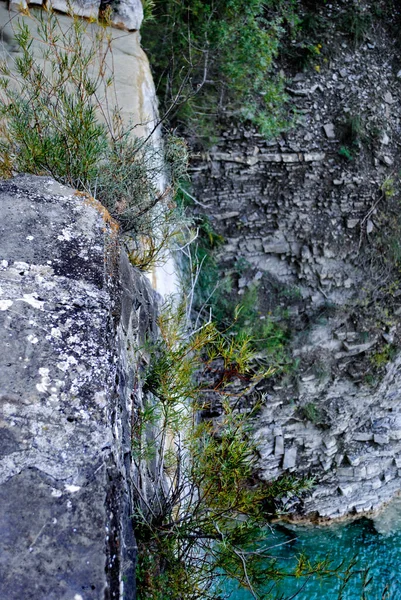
(346,153)
(148,10)
(311,412)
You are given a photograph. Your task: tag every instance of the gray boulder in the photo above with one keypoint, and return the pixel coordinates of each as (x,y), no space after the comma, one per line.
(68,303)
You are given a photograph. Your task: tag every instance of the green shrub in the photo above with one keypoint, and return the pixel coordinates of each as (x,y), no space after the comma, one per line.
(214,57)
(55,120)
(207,518)
(345,152)
(355,21)
(383,356)
(311,412)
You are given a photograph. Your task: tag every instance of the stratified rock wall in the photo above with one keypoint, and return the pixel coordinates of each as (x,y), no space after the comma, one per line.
(315,215)
(72,314)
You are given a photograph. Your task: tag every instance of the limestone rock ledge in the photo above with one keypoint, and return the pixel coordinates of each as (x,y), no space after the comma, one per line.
(69,305)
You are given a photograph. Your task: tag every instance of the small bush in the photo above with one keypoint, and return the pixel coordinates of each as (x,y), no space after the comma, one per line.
(355,22)
(208,519)
(345,152)
(55,120)
(383,356)
(311,412)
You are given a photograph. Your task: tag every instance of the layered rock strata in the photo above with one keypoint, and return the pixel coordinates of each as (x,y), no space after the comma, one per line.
(314,215)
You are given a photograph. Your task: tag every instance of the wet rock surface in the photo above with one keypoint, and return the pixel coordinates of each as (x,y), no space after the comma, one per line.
(69,303)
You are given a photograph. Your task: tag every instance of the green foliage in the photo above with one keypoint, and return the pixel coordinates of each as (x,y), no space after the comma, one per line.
(355,21)
(320,27)
(269,335)
(49,113)
(345,152)
(307,34)
(353,136)
(214,57)
(148,8)
(55,120)
(311,412)
(215,297)
(353,130)
(384,249)
(208,518)
(383,356)
(388,187)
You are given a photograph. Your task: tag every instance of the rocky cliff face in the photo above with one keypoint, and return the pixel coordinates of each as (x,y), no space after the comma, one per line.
(125,14)
(72,314)
(315,215)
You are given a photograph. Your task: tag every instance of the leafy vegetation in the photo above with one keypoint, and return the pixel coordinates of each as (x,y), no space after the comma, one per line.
(384,355)
(311,412)
(215,297)
(208,516)
(313,36)
(216,57)
(59,117)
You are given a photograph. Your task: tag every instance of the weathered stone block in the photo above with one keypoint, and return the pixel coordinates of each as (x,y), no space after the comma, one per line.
(373,469)
(329,131)
(279,445)
(65,501)
(345,472)
(381,439)
(363,437)
(346,490)
(290,458)
(314,156)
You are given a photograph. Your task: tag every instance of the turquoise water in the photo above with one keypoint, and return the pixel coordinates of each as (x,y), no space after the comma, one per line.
(375,544)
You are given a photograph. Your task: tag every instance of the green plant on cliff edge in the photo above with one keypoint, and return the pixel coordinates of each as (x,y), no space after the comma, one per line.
(207,519)
(59,116)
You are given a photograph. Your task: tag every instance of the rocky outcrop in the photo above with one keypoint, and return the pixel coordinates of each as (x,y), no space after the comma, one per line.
(353,447)
(124,60)
(125,14)
(72,314)
(315,216)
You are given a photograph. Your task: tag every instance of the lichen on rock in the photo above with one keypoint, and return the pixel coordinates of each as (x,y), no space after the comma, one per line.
(68,303)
